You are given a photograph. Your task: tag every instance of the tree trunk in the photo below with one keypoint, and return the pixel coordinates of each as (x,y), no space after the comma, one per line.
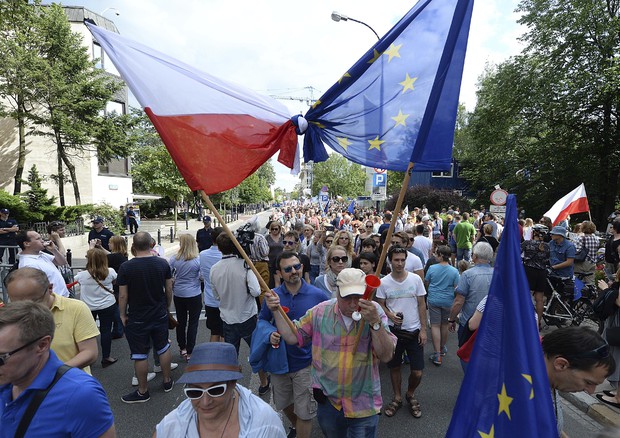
(21,154)
(61,181)
(71,168)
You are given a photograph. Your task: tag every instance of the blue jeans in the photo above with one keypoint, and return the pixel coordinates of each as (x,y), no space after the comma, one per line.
(233,333)
(315,271)
(463,253)
(106,317)
(334,424)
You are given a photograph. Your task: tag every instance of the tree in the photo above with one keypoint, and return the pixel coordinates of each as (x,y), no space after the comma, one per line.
(546,120)
(36,197)
(342,177)
(72,96)
(20,65)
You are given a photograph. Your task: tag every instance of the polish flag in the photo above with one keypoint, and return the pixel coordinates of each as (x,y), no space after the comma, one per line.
(575,202)
(217,133)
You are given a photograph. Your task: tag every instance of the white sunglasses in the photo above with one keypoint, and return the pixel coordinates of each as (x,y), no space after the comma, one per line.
(213,391)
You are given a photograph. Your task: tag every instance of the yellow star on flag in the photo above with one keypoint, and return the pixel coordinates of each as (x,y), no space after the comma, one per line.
(346,75)
(317,103)
(504,402)
(529,379)
(392,51)
(400,118)
(343,142)
(318,124)
(375,56)
(408,83)
(375,143)
(491,433)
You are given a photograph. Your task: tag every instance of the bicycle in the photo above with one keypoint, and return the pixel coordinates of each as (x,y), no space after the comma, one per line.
(564,309)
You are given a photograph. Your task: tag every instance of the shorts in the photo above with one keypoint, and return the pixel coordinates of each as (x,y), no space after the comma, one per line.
(537,278)
(141,334)
(214,321)
(439,314)
(452,247)
(295,389)
(414,350)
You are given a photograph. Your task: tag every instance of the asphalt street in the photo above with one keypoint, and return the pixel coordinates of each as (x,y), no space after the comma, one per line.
(437,393)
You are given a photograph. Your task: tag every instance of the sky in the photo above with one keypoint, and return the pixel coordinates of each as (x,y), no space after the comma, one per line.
(294,49)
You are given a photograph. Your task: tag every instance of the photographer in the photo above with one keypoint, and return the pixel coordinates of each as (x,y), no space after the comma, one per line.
(100,234)
(256,247)
(536,262)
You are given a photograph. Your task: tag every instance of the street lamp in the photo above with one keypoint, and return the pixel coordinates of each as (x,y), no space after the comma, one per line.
(337,17)
(116,11)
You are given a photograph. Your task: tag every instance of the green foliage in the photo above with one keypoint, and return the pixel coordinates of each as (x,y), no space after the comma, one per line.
(342,177)
(433,198)
(36,197)
(546,120)
(394,181)
(18,208)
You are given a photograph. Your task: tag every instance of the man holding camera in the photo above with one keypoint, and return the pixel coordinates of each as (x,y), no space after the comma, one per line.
(100,234)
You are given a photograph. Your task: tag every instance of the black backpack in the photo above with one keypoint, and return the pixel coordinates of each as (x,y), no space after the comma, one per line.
(611,256)
(605,304)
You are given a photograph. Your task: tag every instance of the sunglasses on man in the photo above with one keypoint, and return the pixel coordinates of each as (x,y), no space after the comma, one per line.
(289,269)
(213,391)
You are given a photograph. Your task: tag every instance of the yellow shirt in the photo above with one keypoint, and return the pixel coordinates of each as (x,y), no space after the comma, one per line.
(74,324)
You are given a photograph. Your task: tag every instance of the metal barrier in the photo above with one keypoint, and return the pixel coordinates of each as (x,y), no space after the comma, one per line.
(6,268)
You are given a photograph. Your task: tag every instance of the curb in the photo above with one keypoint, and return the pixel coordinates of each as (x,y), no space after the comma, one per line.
(593,408)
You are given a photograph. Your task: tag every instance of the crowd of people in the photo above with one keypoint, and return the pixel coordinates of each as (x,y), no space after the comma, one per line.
(306,318)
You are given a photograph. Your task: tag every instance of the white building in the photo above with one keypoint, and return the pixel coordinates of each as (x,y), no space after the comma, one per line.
(108,183)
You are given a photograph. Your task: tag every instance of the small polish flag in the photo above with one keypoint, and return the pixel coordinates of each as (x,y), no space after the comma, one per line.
(575,202)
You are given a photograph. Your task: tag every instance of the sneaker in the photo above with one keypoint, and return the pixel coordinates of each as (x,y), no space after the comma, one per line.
(444,350)
(262,390)
(292,432)
(136,397)
(157,368)
(168,385)
(436,358)
(149,377)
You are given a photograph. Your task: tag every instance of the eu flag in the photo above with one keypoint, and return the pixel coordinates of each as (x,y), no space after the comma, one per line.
(398,103)
(506,391)
(351,208)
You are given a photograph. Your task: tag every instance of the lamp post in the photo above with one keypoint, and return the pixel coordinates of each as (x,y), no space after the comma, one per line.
(338,17)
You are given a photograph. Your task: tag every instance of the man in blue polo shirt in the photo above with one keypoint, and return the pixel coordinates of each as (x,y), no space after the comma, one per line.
(291,391)
(26,332)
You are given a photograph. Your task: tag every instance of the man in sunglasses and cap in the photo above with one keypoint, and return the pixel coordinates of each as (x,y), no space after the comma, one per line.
(216,405)
(350,407)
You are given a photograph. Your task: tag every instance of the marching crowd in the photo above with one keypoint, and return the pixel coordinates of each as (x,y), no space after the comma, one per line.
(316,338)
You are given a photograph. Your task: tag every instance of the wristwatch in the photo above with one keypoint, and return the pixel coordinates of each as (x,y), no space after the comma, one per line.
(376,326)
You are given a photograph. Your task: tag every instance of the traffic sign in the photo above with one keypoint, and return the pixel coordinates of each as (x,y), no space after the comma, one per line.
(379,170)
(379,180)
(498,197)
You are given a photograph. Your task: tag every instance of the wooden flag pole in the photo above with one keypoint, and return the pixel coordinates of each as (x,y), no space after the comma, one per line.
(388,239)
(264,285)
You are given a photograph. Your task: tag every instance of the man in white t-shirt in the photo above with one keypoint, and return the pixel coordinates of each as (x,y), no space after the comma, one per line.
(422,243)
(401,295)
(32,256)
(413,263)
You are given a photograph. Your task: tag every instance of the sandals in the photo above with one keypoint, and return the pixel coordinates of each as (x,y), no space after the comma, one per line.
(391,409)
(107,362)
(183,354)
(414,407)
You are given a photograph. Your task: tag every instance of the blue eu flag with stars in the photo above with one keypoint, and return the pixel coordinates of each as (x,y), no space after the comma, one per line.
(398,103)
(506,391)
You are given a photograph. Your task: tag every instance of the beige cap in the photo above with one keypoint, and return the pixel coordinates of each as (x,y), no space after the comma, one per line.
(351,281)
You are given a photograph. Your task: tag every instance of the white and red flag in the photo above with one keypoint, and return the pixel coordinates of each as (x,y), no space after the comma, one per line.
(575,202)
(217,133)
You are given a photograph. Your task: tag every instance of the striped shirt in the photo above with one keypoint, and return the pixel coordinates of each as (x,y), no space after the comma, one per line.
(350,381)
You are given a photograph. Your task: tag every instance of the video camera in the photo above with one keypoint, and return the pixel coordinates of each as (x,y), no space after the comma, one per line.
(245,236)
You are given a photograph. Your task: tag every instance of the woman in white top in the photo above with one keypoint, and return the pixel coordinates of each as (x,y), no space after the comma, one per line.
(187,296)
(97,293)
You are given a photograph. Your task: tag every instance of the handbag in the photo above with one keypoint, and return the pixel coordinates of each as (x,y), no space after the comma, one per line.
(172,322)
(581,255)
(404,335)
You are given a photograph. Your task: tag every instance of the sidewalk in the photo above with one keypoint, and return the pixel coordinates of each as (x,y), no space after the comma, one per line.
(593,407)
(79,244)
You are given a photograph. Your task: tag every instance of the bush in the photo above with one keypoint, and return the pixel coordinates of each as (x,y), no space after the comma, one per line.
(18,208)
(434,199)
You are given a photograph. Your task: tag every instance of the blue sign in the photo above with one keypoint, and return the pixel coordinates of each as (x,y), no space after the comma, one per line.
(379,180)
(324,198)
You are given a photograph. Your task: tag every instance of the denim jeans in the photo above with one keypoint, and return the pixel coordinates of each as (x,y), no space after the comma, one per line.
(193,307)
(315,271)
(463,253)
(334,424)
(106,317)
(233,333)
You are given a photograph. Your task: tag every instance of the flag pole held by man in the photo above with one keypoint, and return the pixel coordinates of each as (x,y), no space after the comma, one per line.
(506,389)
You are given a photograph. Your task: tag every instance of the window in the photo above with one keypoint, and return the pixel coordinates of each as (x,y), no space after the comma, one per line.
(115,167)
(448,174)
(98,55)
(117,108)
